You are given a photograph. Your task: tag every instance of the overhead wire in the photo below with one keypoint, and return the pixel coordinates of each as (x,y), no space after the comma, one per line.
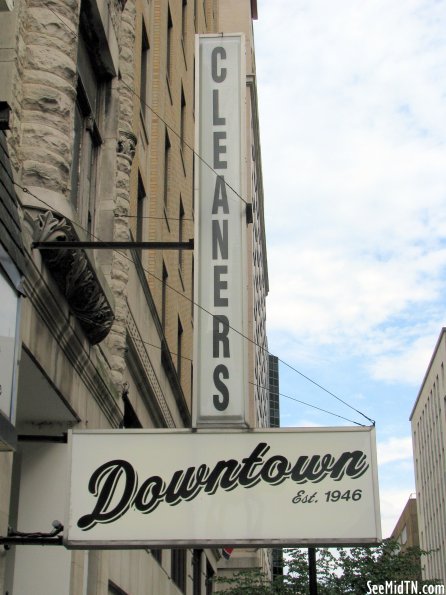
(263,387)
(156,218)
(308,404)
(232,328)
(75,35)
(252,341)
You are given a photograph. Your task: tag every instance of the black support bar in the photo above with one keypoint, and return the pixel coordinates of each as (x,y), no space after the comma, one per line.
(63,245)
(8,541)
(312,572)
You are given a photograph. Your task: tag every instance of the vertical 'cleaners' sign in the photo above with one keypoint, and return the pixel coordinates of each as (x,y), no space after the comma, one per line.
(220,358)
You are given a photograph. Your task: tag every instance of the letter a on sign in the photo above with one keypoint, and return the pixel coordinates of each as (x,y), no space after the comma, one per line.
(220,324)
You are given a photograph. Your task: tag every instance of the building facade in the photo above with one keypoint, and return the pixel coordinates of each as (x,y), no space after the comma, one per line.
(428,421)
(237,16)
(406,532)
(406,528)
(99,146)
(274,421)
(274,391)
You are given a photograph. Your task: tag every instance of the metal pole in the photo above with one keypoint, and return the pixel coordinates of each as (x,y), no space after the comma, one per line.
(13,540)
(98,245)
(312,577)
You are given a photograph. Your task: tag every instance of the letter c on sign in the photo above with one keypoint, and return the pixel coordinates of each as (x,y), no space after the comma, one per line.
(218,77)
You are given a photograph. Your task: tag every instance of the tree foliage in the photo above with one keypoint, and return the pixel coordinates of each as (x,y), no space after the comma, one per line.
(341,571)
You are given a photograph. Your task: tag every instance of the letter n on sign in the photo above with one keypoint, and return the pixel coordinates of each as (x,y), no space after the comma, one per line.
(220,351)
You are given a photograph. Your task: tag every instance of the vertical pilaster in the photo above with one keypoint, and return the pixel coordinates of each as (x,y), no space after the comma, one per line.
(125,152)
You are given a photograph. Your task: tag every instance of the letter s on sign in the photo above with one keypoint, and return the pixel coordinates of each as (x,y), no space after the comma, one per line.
(221,402)
(104,483)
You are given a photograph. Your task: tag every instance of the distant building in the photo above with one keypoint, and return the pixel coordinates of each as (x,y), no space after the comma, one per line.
(274,422)
(406,529)
(429,437)
(273,387)
(237,16)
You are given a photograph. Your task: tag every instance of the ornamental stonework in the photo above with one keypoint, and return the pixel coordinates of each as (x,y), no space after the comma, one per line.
(127,145)
(75,277)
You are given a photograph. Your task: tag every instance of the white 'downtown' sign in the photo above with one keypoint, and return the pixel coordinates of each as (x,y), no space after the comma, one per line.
(150,488)
(220,356)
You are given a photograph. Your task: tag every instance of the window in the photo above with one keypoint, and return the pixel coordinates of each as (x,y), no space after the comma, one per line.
(130,419)
(181,235)
(182,118)
(442,375)
(184,23)
(193,288)
(166,168)
(196,571)
(113,589)
(209,576)
(9,339)
(86,137)
(157,554)
(140,211)
(169,44)
(179,348)
(164,298)
(178,568)
(144,80)
(403,535)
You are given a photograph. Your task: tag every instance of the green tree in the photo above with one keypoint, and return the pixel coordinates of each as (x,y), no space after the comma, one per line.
(341,571)
(245,582)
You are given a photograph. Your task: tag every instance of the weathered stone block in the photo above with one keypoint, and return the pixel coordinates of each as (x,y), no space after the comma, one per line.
(54,29)
(46,99)
(51,60)
(52,81)
(36,173)
(55,142)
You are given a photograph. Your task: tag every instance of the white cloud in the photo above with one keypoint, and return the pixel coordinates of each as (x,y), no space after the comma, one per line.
(353,115)
(409,363)
(305,423)
(393,502)
(395,449)
(353,120)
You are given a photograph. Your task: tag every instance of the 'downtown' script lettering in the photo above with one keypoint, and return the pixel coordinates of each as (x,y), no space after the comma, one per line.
(116,487)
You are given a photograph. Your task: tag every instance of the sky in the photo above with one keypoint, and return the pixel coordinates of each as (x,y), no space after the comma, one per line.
(352,100)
